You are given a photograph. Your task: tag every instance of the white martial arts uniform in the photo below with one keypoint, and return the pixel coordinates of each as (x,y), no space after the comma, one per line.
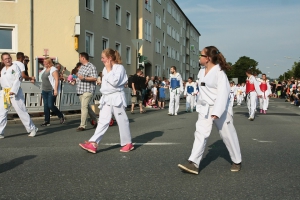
(10,78)
(196,94)
(231,95)
(264,100)
(239,95)
(190,97)
(113,100)
(175,95)
(252,96)
(214,100)
(244,92)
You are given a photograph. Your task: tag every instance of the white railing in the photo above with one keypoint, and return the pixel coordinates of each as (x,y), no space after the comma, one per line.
(67,100)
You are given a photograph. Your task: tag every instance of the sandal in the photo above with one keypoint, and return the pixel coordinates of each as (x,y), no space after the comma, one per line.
(132,112)
(143,111)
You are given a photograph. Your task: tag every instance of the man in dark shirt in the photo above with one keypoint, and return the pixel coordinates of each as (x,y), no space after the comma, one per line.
(137,91)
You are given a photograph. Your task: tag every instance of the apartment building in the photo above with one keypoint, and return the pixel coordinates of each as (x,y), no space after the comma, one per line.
(60,29)
(170,39)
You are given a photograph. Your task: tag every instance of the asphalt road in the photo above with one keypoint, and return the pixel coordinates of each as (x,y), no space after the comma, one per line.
(53,166)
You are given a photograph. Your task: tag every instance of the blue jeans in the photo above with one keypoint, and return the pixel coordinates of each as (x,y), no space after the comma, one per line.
(48,100)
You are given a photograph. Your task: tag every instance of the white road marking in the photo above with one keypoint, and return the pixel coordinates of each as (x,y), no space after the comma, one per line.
(260,140)
(143,143)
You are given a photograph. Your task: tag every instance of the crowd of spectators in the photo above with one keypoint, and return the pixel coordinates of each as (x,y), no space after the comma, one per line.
(288,89)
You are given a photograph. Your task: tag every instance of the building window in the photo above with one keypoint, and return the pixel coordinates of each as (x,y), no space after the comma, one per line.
(169,30)
(118,47)
(105,9)
(128,20)
(164,16)
(158,21)
(147,30)
(89,5)
(157,70)
(164,39)
(169,8)
(157,46)
(8,38)
(159,1)
(128,55)
(164,62)
(118,15)
(105,43)
(148,5)
(89,43)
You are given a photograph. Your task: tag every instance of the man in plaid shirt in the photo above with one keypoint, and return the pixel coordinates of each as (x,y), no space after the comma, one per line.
(86,84)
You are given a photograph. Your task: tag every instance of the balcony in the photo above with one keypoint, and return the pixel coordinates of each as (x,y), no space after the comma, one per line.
(187,51)
(187,67)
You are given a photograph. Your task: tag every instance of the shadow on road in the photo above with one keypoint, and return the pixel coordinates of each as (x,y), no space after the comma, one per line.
(269,113)
(216,150)
(146,137)
(14,163)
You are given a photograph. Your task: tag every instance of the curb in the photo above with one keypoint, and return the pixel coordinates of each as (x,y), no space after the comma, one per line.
(41,119)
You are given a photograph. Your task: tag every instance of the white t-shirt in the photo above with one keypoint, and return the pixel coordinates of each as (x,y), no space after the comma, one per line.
(20,65)
(154,90)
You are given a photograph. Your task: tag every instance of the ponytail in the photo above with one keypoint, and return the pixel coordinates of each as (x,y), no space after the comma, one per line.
(113,54)
(217,57)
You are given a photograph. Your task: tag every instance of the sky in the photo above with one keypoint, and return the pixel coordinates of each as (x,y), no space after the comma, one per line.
(267,31)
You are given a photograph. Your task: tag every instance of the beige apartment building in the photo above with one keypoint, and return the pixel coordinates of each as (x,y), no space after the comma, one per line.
(57,25)
(61,29)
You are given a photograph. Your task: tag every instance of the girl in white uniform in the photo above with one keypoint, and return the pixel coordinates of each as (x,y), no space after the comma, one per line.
(213,107)
(176,88)
(113,101)
(189,93)
(265,87)
(12,95)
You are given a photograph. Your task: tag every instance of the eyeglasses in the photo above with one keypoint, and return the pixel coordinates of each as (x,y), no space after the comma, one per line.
(202,55)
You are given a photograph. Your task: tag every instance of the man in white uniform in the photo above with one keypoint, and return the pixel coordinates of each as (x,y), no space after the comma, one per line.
(189,93)
(11,94)
(20,63)
(265,87)
(252,91)
(176,88)
(232,93)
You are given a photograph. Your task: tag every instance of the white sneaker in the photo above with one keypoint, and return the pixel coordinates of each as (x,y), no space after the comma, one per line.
(170,114)
(1,136)
(175,114)
(33,133)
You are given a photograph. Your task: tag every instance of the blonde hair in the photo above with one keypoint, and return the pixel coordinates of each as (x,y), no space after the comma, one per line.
(113,54)
(49,61)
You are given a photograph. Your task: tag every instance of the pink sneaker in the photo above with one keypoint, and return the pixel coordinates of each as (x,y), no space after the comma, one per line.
(89,146)
(127,148)
(265,112)
(261,111)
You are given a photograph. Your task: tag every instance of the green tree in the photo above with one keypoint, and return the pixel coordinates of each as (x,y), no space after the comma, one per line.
(241,66)
(296,70)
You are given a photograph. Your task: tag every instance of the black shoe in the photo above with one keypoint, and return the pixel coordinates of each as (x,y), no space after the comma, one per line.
(62,120)
(45,124)
(189,167)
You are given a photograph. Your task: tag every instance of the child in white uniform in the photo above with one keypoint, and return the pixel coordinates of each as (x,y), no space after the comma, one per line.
(265,87)
(239,94)
(12,95)
(213,107)
(232,93)
(113,101)
(189,93)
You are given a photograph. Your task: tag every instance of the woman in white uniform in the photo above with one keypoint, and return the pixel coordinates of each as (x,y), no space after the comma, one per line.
(213,107)
(12,95)
(266,90)
(113,101)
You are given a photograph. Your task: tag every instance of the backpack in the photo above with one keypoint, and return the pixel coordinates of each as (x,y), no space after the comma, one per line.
(130,81)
